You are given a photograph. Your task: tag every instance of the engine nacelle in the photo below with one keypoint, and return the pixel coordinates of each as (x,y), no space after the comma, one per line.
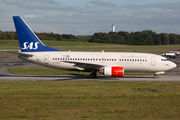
(114,71)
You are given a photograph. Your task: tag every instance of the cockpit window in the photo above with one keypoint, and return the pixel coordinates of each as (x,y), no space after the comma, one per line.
(164,59)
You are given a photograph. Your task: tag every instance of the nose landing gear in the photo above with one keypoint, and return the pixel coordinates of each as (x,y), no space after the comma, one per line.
(155,76)
(158,73)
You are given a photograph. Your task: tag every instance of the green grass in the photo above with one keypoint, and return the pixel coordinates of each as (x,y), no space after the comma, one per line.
(15,43)
(85,46)
(89,100)
(71,43)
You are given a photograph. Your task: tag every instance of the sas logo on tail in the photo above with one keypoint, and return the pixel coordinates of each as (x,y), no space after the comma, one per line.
(30,46)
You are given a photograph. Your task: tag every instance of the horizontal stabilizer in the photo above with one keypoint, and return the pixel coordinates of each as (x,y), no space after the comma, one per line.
(19,53)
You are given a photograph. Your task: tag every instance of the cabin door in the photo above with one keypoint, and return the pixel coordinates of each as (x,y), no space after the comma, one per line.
(153,61)
(46,59)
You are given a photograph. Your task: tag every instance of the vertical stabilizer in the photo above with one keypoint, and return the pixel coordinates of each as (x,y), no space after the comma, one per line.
(28,41)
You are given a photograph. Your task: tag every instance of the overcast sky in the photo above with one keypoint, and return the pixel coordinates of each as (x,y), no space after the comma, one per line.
(85,17)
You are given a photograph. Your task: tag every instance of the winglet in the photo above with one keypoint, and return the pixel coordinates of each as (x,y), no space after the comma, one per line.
(28,41)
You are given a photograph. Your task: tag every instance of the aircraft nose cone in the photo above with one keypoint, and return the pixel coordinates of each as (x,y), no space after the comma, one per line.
(173,65)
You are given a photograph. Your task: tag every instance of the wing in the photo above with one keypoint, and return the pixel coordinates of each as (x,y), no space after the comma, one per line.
(88,66)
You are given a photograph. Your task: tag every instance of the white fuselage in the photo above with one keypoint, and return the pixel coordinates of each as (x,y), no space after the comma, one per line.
(143,62)
(108,63)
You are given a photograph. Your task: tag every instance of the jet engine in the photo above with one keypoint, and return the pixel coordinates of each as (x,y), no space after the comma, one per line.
(113,71)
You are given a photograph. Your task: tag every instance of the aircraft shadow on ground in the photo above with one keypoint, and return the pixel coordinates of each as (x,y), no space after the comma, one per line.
(71,77)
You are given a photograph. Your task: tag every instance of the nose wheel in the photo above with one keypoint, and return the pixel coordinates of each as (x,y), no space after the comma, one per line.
(155,76)
(92,75)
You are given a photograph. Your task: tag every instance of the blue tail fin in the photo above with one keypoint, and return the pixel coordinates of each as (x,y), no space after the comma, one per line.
(28,41)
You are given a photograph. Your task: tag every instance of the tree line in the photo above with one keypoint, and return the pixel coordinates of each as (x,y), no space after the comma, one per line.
(10,35)
(146,37)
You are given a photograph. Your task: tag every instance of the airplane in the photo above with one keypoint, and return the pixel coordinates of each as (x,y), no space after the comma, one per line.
(113,64)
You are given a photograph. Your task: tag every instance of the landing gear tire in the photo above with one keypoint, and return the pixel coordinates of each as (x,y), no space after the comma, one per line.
(155,76)
(92,75)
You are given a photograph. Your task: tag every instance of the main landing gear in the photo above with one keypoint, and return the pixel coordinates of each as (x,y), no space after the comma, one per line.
(93,75)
